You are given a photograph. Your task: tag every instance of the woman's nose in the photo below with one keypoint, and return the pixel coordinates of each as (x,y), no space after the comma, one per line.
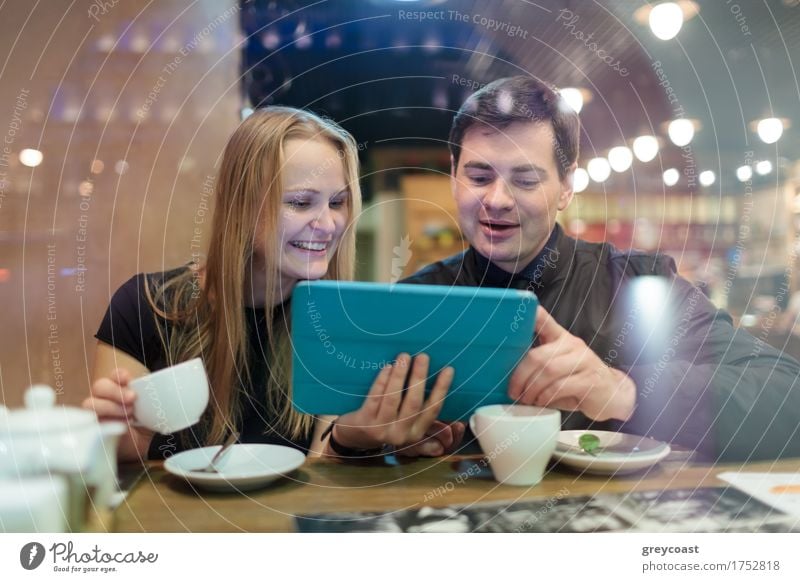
(324,222)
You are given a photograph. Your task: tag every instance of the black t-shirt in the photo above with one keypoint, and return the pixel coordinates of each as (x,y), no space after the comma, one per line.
(131,326)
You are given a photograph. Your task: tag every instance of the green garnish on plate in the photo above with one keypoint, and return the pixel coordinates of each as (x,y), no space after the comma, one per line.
(589,443)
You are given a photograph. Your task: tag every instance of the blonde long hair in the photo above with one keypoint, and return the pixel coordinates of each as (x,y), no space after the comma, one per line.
(208,319)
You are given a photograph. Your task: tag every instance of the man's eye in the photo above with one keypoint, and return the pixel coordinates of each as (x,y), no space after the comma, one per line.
(480,180)
(526,183)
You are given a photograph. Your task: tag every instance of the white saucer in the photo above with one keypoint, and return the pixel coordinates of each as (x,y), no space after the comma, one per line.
(242,468)
(618,453)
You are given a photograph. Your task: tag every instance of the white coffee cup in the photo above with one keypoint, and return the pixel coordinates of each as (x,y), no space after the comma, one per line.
(518,440)
(173,398)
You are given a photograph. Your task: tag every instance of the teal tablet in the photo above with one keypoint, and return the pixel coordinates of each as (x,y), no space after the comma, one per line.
(343,333)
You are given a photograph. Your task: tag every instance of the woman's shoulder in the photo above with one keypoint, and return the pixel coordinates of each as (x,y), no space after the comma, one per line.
(132,320)
(135,291)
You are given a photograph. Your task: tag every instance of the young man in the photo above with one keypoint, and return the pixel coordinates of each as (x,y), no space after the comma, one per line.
(622,342)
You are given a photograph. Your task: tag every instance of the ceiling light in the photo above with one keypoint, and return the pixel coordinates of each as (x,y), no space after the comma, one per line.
(599,169)
(744,173)
(620,158)
(30,157)
(645,148)
(573,97)
(666,20)
(580,180)
(681,131)
(763,167)
(770,129)
(671,176)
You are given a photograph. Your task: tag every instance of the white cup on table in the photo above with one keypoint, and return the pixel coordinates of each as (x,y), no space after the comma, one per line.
(518,440)
(171,399)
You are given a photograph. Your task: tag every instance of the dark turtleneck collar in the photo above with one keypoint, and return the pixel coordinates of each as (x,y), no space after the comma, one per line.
(540,272)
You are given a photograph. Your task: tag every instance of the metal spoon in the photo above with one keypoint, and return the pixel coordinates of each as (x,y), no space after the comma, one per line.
(210,468)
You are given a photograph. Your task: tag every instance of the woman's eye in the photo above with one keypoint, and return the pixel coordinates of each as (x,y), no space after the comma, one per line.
(341,203)
(298,203)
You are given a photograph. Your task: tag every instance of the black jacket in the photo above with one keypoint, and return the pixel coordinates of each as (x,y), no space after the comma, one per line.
(700,382)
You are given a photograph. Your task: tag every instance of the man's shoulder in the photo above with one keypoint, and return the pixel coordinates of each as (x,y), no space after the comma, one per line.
(444,272)
(631,262)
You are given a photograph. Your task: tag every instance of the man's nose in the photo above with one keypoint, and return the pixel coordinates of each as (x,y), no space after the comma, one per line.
(498,196)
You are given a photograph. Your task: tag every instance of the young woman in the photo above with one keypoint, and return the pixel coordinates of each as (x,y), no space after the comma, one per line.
(287,196)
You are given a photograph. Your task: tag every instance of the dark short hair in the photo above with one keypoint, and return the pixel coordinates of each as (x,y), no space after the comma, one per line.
(514,100)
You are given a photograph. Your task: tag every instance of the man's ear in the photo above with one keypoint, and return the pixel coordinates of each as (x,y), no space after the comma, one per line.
(566,187)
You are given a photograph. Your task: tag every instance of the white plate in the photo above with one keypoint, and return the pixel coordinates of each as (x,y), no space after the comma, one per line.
(619,453)
(242,468)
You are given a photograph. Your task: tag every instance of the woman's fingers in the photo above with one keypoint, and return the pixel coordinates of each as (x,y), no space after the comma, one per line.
(110,399)
(373,402)
(415,395)
(419,414)
(393,396)
(436,398)
(396,411)
(121,376)
(106,409)
(429,447)
(111,390)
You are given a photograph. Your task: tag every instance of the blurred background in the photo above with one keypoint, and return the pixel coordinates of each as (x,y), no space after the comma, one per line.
(114,114)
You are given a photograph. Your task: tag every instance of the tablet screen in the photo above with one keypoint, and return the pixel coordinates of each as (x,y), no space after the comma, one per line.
(343,333)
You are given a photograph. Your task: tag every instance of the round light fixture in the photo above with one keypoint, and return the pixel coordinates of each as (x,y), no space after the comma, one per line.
(671,176)
(666,20)
(770,129)
(763,167)
(30,157)
(645,148)
(580,180)
(744,173)
(707,178)
(599,169)
(573,97)
(620,158)
(681,131)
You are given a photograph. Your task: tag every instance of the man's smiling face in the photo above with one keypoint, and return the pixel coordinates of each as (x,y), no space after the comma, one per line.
(508,191)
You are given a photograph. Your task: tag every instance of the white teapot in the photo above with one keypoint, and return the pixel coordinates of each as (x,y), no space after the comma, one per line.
(45,438)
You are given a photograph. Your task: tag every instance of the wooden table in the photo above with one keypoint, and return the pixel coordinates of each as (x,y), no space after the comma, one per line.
(160,502)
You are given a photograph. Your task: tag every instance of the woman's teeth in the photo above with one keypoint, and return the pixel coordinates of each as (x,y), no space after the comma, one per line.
(310,246)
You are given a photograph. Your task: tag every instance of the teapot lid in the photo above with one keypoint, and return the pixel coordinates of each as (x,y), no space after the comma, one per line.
(42,415)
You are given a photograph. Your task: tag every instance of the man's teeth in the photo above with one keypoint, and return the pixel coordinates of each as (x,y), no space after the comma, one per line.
(311,246)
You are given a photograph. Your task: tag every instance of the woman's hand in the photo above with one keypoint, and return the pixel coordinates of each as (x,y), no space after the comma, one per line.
(391,414)
(111,399)
(440,439)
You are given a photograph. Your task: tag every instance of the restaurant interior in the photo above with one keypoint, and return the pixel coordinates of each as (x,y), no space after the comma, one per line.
(114,116)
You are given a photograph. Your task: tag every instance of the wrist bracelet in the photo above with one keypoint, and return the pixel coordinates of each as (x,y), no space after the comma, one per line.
(344,451)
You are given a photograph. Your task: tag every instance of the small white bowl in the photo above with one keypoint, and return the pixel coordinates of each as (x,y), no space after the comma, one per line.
(619,453)
(242,468)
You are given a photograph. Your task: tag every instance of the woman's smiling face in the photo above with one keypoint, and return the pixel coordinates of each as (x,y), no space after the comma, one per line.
(315,209)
